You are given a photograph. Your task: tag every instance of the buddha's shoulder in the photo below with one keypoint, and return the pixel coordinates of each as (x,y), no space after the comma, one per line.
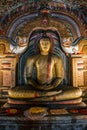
(31,58)
(56,57)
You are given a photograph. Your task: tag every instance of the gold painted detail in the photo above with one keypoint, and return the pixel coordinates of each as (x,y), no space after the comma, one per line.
(4,46)
(37,110)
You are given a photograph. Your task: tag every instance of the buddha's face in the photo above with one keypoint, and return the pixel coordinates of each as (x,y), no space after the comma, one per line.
(45,45)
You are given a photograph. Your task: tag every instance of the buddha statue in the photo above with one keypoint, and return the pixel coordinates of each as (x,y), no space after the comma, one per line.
(49,75)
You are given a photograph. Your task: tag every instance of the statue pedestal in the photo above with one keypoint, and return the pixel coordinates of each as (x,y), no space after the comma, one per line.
(57,119)
(60,117)
(62,122)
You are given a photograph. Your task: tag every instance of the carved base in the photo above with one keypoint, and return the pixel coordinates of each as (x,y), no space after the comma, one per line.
(45,104)
(56,122)
(64,117)
(27,101)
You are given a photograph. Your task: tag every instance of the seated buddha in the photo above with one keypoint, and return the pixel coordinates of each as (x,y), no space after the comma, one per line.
(49,75)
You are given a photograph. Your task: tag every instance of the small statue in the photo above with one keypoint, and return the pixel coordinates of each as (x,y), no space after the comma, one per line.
(49,74)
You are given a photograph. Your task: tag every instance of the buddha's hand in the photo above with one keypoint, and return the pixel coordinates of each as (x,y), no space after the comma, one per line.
(49,86)
(45,86)
(56,82)
(32,82)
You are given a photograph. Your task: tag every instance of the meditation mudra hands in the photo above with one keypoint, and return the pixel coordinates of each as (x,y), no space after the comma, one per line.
(45,86)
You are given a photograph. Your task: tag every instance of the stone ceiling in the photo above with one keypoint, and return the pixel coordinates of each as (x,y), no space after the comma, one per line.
(9,5)
(8,8)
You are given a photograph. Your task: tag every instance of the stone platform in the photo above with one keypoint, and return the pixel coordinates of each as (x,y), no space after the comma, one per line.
(63,118)
(63,122)
(71,118)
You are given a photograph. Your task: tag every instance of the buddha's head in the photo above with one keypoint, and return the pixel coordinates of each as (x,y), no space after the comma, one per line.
(44,45)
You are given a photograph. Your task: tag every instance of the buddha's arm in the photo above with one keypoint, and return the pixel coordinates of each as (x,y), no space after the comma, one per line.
(29,68)
(59,72)
(29,71)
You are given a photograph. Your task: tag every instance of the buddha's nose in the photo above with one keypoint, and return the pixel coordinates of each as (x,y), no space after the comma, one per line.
(45,44)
